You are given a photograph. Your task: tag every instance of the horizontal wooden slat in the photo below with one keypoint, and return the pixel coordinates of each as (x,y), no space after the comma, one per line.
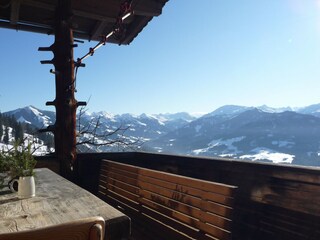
(188,210)
(280,230)
(218,198)
(293,226)
(138,211)
(172,200)
(174,205)
(142,180)
(122,185)
(214,231)
(121,192)
(191,182)
(121,200)
(208,206)
(169,222)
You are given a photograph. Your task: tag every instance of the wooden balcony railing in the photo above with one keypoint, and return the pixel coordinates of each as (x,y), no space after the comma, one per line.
(273,201)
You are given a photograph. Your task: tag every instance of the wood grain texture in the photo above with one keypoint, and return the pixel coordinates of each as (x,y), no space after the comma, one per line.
(172,200)
(57,201)
(266,205)
(85,229)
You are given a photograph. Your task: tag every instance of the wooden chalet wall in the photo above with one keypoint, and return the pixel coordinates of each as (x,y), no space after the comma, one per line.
(273,202)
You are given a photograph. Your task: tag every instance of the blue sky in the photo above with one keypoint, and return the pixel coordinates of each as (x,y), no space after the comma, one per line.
(195,57)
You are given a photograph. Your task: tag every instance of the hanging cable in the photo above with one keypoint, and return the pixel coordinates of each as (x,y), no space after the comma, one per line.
(118,30)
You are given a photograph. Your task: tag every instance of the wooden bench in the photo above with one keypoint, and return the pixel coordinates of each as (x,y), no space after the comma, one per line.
(174,205)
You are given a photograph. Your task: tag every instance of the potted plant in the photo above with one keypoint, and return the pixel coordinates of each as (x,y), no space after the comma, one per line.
(21,164)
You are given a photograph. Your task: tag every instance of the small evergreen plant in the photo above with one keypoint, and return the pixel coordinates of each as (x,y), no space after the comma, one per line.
(3,168)
(21,161)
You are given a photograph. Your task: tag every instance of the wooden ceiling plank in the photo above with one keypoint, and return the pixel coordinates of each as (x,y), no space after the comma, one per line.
(135,30)
(93,16)
(15,11)
(38,4)
(149,8)
(80,13)
(98,30)
(28,28)
(146,13)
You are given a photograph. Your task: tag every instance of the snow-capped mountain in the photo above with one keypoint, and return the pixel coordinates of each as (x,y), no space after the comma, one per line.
(142,126)
(312,110)
(135,128)
(286,137)
(9,137)
(227,111)
(34,116)
(233,110)
(156,123)
(266,108)
(280,135)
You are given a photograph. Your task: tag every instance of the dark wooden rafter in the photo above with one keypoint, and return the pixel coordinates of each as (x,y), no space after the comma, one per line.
(92,19)
(139,23)
(79,13)
(42,5)
(15,8)
(151,8)
(98,29)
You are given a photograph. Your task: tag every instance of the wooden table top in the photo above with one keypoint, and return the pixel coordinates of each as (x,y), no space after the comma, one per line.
(57,201)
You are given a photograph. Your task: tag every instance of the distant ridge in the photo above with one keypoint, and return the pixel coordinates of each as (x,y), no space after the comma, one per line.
(280,135)
(34,116)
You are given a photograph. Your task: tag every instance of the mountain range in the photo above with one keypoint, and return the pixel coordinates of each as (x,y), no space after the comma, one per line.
(280,135)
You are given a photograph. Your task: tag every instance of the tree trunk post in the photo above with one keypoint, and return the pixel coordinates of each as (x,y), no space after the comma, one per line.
(65,102)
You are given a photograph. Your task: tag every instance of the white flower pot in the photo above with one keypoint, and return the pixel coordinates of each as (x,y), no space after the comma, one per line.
(26,187)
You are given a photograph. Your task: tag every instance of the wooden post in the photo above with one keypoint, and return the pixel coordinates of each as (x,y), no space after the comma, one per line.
(65,102)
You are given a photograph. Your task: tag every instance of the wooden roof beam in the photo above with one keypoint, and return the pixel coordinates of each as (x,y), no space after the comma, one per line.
(52,7)
(38,4)
(98,29)
(15,10)
(137,24)
(149,8)
(93,16)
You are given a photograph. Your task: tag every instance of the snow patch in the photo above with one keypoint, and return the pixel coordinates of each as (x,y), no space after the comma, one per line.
(23,120)
(219,142)
(198,151)
(268,154)
(227,155)
(227,142)
(142,124)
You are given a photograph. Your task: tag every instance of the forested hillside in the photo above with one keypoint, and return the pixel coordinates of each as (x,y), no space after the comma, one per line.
(13,131)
